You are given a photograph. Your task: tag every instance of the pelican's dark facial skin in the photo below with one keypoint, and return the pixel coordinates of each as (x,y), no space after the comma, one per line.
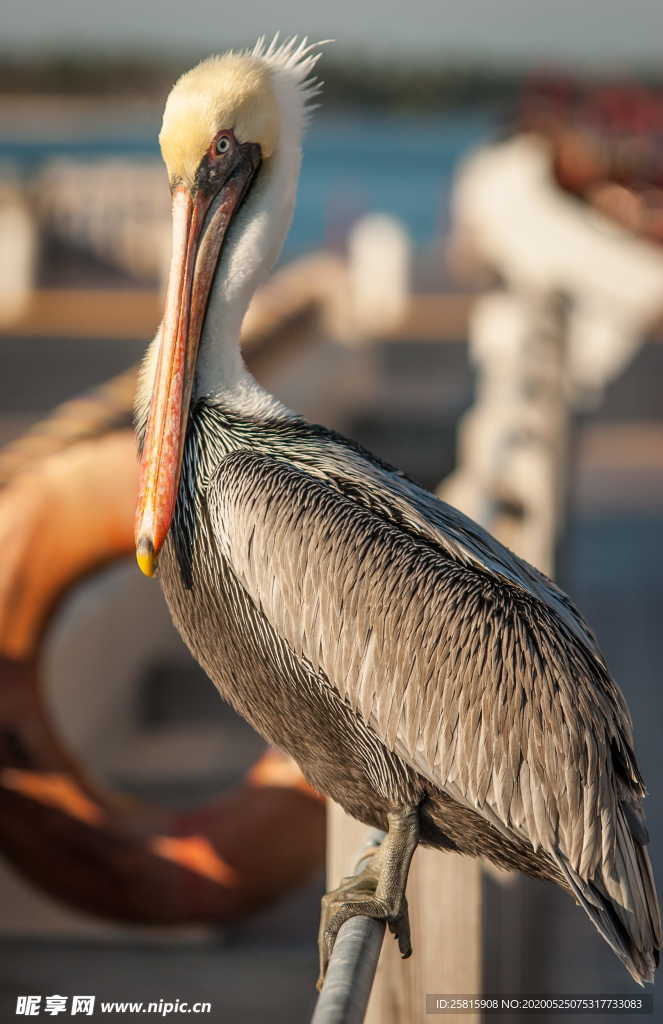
(201,216)
(226,159)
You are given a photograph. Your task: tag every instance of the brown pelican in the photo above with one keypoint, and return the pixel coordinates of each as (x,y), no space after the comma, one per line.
(421,674)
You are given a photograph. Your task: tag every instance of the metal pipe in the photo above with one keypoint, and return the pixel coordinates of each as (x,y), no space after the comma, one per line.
(349,979)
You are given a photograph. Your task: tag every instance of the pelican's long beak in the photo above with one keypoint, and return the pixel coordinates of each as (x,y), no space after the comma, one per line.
(200,220)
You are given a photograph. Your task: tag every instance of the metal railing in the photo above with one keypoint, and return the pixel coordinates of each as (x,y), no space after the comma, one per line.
(352,965)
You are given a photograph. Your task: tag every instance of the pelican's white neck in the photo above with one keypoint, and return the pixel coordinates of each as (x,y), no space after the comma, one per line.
(251,249)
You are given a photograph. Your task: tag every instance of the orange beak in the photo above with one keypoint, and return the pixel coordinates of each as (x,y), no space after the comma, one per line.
(200,220)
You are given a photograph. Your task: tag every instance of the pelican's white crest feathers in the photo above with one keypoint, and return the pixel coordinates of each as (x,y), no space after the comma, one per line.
(297,58)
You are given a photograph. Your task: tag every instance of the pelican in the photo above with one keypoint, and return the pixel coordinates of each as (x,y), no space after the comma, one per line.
(423,676)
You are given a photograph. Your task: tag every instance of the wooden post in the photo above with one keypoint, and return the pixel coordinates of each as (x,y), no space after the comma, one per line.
(443,891)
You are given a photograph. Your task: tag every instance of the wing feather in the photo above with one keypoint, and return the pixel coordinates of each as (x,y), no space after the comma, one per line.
(498,697)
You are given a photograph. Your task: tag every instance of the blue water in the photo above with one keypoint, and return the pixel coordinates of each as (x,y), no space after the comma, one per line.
(353,164)
(398,165)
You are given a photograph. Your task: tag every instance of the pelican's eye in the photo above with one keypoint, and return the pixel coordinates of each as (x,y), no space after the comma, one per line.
(222,145)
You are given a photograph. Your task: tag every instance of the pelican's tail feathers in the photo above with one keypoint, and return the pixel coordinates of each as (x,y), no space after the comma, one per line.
(623,905)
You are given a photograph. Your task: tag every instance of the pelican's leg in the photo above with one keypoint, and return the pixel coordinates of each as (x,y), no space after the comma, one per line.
(378,890)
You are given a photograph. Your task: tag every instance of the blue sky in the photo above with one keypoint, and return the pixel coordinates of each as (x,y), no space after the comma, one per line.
(612,32)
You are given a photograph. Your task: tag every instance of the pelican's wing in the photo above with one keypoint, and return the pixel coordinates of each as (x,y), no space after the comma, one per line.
(475,682)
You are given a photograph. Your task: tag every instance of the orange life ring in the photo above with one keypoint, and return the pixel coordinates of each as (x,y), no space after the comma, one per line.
(66,508)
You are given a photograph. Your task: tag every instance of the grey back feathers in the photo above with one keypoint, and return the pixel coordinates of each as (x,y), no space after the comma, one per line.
(447,669)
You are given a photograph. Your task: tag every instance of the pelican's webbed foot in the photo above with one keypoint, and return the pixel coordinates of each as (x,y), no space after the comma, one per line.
(378,890)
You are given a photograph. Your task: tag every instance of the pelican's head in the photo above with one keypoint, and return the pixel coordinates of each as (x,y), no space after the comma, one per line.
(228,123)
(228,98)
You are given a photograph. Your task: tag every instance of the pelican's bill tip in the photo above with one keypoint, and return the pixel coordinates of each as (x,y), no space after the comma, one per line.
(146,556)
